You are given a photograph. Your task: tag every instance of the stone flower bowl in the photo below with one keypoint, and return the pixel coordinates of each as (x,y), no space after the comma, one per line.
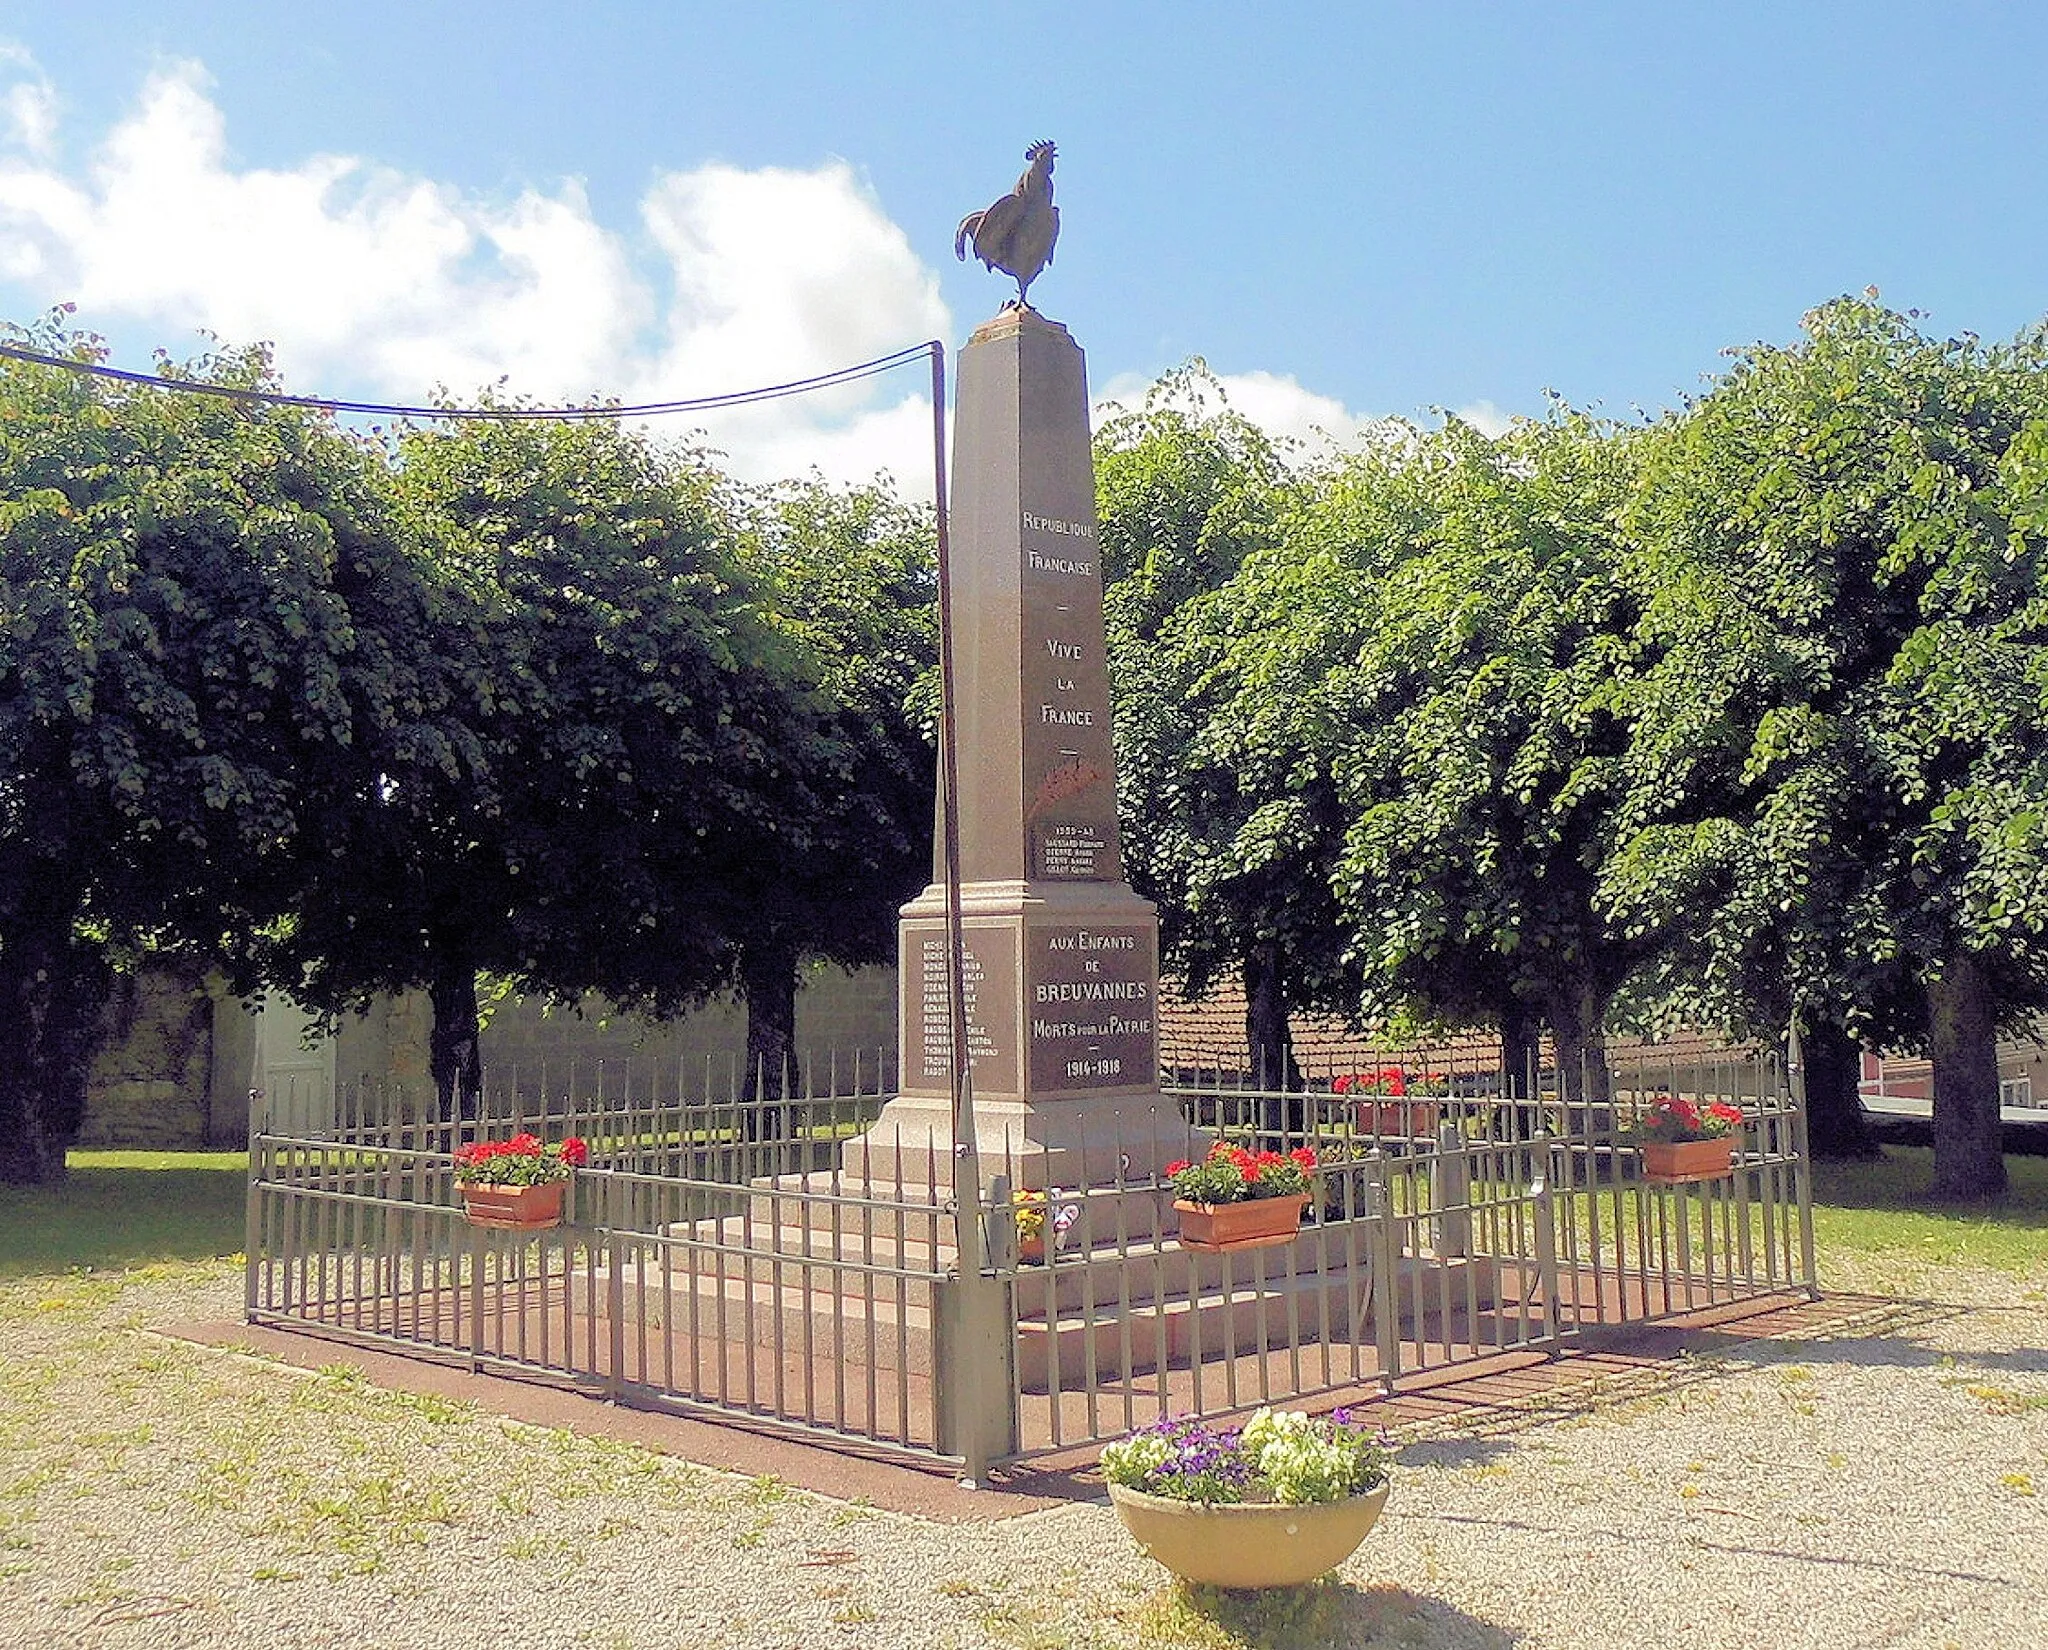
(1248,1543)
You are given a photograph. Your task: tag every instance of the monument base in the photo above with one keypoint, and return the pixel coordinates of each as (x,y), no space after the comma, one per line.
(1062,989)
(1090,1140)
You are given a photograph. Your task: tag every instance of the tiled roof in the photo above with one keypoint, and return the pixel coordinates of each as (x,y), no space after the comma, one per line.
(1208,1037)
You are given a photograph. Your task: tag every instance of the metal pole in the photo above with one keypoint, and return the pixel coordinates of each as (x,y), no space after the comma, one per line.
(966,1157)
(1802,1172)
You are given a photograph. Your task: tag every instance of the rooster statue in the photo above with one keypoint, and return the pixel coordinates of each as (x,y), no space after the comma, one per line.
(1017,233)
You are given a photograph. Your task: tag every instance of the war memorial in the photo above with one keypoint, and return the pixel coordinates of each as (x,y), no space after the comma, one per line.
(844,1264)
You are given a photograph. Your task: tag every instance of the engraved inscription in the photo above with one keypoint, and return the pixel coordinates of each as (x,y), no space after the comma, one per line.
(1091,1008)
(1070,811)
(1069,851)
(987,979)
(1053,524)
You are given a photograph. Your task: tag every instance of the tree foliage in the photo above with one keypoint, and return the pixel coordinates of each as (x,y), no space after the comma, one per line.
(849,575)
(622,715)
(1458,668)
(1837,769)
(181,672)
(1187,491)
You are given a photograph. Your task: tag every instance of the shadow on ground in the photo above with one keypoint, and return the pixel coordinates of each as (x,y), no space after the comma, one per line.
(1331,1612)
(1456,1450)
(110,1216)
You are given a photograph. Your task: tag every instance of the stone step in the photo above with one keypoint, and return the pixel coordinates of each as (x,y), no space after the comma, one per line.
(1117,1313)
(1144,1266)
(889,1330)
(1133,1339)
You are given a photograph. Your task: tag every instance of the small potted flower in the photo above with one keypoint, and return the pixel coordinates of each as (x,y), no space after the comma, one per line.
(1041,1224)
(517,1184)
(1239,1199)
(1276,1504)
(1681,1140)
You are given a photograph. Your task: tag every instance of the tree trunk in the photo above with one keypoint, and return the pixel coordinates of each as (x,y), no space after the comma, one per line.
(1968,1162)
(1268,1036)
(52,995)
(454,1048)
(1520,1049)
(1270,1041)
(768,969)
(1836,1124)
(1576,1013)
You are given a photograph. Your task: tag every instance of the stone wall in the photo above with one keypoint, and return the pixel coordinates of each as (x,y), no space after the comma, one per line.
(152,1084)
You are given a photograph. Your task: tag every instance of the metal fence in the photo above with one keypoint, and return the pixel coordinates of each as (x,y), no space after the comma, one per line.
(718,1259)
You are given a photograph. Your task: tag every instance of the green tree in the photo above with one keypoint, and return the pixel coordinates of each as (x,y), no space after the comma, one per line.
(1839,764)
(1471,700)
(623,708)
(1186,491)
(850,577)
(178,651)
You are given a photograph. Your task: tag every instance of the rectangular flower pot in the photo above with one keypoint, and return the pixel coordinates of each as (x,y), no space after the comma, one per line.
(1677,1162)
(1254,1223)
(1402,1119)
(515,1208)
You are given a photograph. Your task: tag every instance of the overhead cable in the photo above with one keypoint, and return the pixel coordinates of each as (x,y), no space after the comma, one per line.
(273,398)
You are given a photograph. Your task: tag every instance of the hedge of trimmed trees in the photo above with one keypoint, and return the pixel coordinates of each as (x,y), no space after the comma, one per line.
(1735,718)
(346,714)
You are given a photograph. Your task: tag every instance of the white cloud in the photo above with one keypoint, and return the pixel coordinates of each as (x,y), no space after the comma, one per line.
(28,102)
(1276,402)
(376,284)
(779,275)
(1485,417)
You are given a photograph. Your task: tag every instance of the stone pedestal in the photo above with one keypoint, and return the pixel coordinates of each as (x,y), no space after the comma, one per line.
(1062,969)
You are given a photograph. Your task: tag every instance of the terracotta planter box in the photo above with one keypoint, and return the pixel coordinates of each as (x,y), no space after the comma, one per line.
(515,1208)
(1247,1544)
(1403,1119)
(1255,1223)
(1677,1162)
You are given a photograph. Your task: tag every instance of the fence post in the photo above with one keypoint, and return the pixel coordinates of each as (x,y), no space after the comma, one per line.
(615,1305)
(999,1246)
(974,1357)
(1386,1257)
(1802,1172)
(1451,1194)
(252,1215)
(476,1300)
(1546,1241)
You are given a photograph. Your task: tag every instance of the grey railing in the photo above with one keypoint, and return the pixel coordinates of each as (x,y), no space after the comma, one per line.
(718,1259)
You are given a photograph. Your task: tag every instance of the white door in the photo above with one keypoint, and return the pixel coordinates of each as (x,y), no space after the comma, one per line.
(296,1080)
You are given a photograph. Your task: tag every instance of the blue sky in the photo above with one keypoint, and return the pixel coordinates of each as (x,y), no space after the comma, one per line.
(1350,211)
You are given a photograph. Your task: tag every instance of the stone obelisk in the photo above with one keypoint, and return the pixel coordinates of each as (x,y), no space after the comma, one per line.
(1062,957)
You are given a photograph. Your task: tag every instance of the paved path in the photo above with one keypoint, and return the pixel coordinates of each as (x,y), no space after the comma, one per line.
(1859,1472)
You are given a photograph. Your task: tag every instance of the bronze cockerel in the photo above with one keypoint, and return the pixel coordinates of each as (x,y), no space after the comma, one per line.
(1017,233)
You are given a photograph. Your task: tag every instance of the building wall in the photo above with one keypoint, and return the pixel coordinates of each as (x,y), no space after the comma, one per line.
(179,1056)
(841,1017)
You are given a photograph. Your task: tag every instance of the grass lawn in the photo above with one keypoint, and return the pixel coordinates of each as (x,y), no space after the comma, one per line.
(125,1209)
(1883,1207)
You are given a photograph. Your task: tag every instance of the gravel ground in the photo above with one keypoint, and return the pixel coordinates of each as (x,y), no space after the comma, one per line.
(1888,1486)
